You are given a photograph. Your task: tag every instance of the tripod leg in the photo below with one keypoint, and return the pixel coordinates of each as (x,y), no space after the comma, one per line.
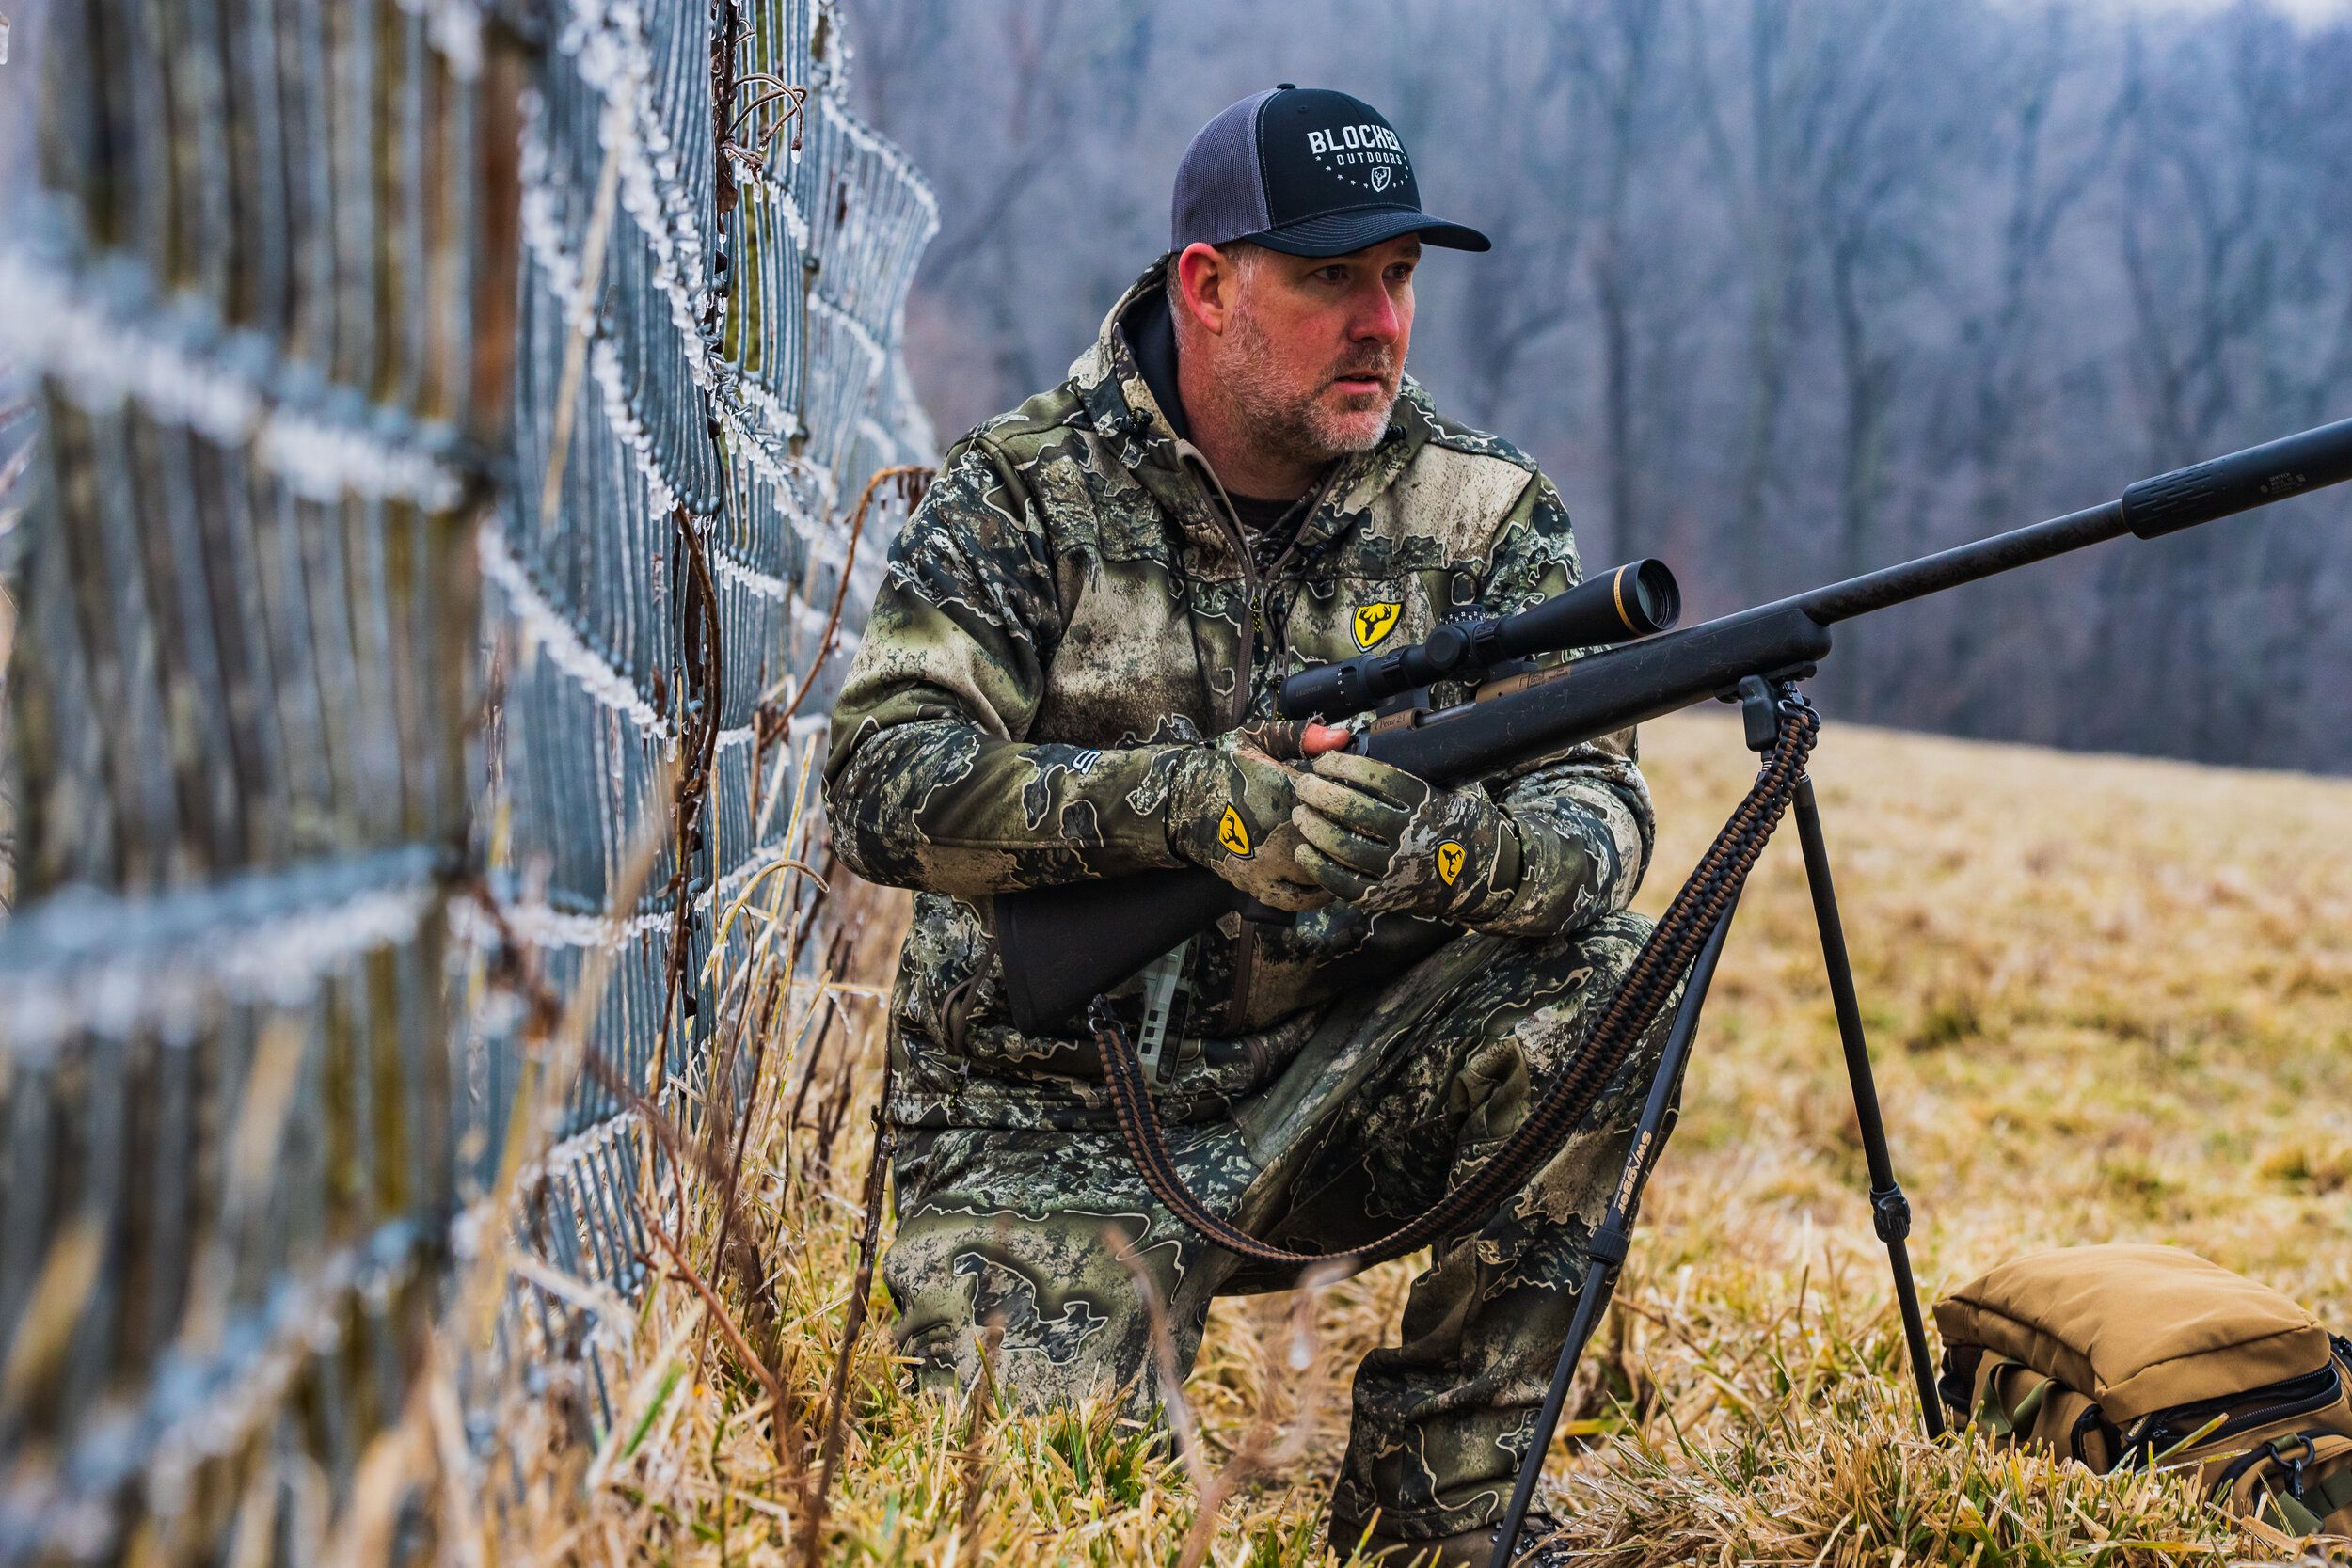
(1610,1241)
(1890,1211)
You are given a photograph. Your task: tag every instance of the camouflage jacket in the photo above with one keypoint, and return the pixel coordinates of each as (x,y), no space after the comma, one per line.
(1069,605)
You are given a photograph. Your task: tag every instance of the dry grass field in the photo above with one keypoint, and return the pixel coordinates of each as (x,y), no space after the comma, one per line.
(2109,999)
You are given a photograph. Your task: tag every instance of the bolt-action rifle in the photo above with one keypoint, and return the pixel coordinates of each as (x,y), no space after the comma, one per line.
(1062,946)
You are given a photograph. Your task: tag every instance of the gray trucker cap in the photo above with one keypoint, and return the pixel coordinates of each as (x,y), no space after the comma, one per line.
(1305,170)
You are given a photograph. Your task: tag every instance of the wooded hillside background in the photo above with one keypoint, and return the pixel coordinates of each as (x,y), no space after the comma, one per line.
(1780,293)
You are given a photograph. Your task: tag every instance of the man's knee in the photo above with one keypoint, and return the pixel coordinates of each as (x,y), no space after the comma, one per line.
(1532,1008)
(1606,948)
(1567,973)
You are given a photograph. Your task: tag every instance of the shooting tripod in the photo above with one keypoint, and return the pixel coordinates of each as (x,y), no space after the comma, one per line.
(1760,703)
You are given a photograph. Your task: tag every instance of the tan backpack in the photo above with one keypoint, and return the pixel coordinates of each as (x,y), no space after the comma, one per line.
(2152,1355)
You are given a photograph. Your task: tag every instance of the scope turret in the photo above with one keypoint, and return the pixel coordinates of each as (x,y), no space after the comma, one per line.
(1635,600)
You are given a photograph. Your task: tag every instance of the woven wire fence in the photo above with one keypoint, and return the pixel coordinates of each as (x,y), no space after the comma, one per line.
(430,571)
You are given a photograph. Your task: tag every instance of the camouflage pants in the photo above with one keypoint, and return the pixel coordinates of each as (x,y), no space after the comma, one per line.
(1395,1097)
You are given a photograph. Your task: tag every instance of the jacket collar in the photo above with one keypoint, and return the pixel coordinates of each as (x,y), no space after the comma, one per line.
(1110,384)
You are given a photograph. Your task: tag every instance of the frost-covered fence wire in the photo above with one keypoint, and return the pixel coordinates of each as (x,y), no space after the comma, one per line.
(656,603)
(263,287)
(314,655)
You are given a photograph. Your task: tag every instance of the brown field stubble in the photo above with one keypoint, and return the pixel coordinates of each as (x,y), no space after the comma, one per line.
(2109,999)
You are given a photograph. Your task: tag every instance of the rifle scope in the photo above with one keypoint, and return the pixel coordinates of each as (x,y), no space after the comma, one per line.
(1634,600)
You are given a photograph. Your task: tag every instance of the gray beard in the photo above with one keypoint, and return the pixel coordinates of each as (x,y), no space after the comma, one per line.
(1296,429)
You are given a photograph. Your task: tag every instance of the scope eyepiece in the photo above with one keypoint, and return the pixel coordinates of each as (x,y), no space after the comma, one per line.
(1634,600)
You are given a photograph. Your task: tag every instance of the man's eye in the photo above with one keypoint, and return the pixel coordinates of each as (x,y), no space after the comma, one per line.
(1332,275)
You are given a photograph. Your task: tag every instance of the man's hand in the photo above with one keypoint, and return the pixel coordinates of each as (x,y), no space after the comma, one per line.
(1384,840)
(1232,807)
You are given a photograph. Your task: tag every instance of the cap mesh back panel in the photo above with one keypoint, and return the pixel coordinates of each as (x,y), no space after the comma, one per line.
(1220,193)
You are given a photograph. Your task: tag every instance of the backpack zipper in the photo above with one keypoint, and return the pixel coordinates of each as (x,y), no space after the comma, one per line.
(2238,1468)
(2297,1396)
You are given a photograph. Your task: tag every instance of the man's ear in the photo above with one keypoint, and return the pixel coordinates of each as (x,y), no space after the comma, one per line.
(1206,283)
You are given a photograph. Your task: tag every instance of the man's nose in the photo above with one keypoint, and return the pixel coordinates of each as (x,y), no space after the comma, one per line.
(1375,317)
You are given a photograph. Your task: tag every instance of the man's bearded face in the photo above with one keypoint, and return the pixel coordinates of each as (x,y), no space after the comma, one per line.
(1316,351)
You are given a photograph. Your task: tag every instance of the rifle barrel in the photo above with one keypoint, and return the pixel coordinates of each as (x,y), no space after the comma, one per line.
(2153,508)
(1982,558)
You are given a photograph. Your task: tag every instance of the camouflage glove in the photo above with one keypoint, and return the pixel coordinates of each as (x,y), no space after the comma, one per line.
(1384,840)
(1230,810)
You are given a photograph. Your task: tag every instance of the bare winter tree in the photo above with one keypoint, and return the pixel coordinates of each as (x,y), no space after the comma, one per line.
(1780,292)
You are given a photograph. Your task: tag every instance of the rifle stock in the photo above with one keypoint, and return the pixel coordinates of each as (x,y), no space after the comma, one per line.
(1062,945)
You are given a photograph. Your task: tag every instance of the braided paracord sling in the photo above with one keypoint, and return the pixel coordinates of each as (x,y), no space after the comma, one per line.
(1651,980)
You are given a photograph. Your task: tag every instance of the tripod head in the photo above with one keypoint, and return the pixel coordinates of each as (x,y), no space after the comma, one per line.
(1632,601)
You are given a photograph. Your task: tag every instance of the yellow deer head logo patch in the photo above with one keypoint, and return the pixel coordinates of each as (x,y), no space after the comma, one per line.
(1374,622)
(1234,833)
(1449,861)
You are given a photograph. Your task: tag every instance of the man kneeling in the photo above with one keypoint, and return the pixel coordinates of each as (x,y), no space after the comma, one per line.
(1070,672)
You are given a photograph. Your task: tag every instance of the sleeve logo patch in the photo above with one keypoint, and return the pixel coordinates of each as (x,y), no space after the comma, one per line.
(1376,621)
(1234,833)
(1448,861)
